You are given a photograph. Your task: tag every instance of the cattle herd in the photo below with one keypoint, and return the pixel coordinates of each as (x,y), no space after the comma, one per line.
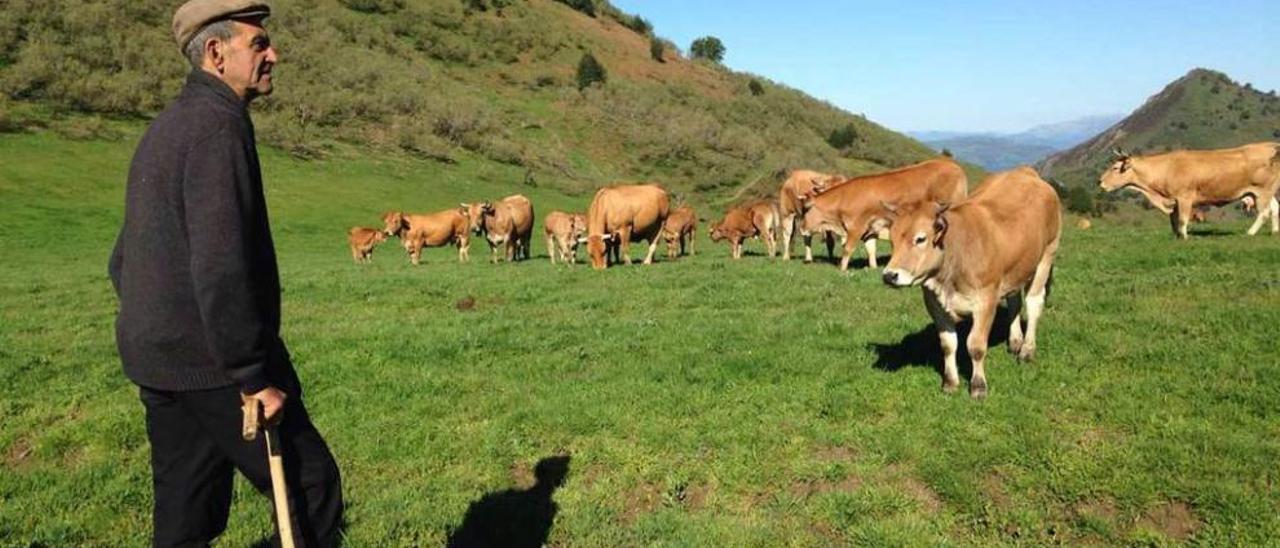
(969,252)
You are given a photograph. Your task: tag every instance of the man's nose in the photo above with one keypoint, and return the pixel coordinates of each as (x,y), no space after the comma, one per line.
(272,55)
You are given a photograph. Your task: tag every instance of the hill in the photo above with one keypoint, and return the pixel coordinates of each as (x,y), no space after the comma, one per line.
(998,151)
(1204,109)
(491,81)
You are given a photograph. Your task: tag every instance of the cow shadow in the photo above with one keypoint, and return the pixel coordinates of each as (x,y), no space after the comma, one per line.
(922,349)
(514,517)
(1212,232)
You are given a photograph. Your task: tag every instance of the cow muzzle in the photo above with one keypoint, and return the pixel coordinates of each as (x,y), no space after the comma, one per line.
(897,278)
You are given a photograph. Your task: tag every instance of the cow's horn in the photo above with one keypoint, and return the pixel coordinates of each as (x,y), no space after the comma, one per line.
(1119,153)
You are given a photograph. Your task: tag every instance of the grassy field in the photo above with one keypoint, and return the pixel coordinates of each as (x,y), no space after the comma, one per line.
(701,402)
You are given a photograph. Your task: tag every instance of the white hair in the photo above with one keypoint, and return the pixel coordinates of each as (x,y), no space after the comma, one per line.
(221,30)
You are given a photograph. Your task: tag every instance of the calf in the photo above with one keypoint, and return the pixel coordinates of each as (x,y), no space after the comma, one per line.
(758,219)
(793,202)
(362,241)
(563,231)
(998,244)
(507,223)
(681,227)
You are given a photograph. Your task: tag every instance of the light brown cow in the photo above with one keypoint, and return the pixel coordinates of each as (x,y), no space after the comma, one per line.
(1176,182)
(623,213)
(800,186)
(362,241)
(757,219)
(563,231)
(998,244)
(429,230)
(507,223)
(853,209)
(681,228)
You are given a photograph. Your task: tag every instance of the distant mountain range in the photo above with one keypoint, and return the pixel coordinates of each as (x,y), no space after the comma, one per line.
(998,151)
(1203,109)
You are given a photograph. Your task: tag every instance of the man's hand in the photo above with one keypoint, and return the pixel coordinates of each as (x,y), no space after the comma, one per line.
(272,400)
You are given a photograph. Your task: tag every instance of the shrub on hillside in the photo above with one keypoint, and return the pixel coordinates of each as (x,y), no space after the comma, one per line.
(374,6)
(638,24)
(590,71)
(707,47)
(1079,200)
(585,6)
(756,88)
(657,49)
(843,137)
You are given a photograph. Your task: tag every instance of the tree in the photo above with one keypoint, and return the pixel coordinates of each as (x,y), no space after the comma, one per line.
(1079,200)
(585,6)
(590,71)
(842,138)
(755,87)
(656,49)
(707,47)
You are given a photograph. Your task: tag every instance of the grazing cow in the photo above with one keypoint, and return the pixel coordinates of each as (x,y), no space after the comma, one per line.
(508,223)
(563,231)
(362,241)
(995,245)
(758,219)
(800,186)
(430,230)
(1176,182)
(853,209)
(681,227)
(623,213)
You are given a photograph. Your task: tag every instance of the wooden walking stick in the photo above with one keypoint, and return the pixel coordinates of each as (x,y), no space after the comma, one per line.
(275,459)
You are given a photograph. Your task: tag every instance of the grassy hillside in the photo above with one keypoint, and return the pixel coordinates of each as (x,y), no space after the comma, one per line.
(706,402)
(437,79)
(1204,109)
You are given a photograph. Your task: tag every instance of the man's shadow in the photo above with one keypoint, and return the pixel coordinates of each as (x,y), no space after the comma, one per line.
(514,517)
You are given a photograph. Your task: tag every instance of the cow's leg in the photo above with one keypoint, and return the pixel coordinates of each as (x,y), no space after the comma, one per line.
(849,245)
(947,339)
(808,245)
(831,247)
(624,244)
(1264,213)
(415,252)
(551,248)
(1013,305)
(464,250)
(773,242)
(1035,300)
(693,239)
(1183,211)
(983,315)
(1275,215)
(355,255)
(870,246)
(788,229)
(653,248)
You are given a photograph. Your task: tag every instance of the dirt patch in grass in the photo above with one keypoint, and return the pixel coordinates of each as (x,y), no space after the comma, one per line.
(1102,509)
(1174,520)
(590,475)
(805,489)
(922,493)
(522,475)
(19,454)
(836,453)
(638,501)
(993,489)
(694,497)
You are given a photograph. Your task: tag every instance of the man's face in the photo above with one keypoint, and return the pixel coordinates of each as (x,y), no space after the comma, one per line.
(247,59)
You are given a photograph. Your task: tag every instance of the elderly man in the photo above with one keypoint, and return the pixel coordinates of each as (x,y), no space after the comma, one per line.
(195,270)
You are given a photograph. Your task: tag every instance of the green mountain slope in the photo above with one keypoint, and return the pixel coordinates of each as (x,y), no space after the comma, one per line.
(1204,109)
(441,79)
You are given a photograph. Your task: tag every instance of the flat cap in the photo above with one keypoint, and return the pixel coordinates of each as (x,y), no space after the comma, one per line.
(195,14)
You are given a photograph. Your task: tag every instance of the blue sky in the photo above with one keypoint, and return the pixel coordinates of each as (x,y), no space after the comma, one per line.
(986,65)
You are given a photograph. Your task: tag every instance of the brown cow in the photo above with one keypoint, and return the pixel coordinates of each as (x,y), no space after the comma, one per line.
(622,213)
(563,231)
(800,186)
(362,241)
(429,230)
(853,209)
(995,245)
(507,223)
(1176,182)
(681,227)
(757,219)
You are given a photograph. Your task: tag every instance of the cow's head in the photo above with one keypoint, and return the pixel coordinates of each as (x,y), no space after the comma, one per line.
(917,233)
(1249,204)
(718,232)
(475,214)
(379,237)
(1120,174)
(393,223)
(579,228)
(597,248)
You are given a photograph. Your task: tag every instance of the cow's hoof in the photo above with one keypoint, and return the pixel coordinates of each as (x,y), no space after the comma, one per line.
(950,387)
(1015,346)
(978,389)
(1027,353)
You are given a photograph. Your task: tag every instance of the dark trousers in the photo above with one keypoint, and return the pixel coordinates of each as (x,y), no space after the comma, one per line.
(195,449)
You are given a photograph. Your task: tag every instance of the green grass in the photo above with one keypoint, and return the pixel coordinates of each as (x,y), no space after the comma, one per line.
(702,402)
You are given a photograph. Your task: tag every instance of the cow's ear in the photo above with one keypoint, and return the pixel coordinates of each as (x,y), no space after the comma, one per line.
(890,208)
(940,226)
